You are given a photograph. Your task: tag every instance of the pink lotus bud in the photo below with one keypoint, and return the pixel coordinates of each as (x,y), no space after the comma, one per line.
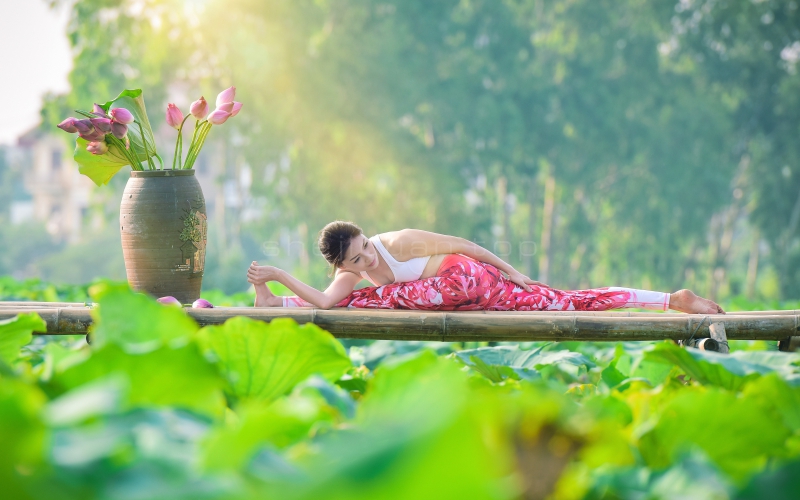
(97,148)
(202,304)
(119,130)
(226,95)
(236,107)
(199,108)
(93,135)
(121,115)
(83,126)
(102,124)
(226,106)
(174,116)
(218,117)
(98,110)
(68,125)
(169,300)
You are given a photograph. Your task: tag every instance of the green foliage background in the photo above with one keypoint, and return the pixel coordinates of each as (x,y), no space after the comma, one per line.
(666,129)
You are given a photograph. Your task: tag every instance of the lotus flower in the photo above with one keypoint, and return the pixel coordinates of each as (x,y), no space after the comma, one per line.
(226,95)
(93,135)
(97,148)
(226,106)
(68,125)
(118,129)
(202,304)
(199,108)
(98,110)
(121,115)
(169,300)
(236,107)
(174,116)
(102,124)
(83,126)
(218,117)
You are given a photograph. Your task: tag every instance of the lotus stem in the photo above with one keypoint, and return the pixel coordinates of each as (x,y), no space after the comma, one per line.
(144,144)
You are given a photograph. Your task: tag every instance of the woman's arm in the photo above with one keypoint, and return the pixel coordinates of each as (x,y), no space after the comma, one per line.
(343,284)
(410,243)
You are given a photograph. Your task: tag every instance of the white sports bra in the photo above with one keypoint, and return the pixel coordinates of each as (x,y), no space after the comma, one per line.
(409,270)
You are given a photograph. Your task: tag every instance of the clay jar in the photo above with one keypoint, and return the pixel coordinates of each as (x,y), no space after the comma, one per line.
(163,223)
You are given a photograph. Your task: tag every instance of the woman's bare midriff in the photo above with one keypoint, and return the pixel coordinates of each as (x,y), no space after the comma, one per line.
(433,265)
(382,278)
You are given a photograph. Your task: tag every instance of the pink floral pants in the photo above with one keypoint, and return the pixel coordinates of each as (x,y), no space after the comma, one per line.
(464,284)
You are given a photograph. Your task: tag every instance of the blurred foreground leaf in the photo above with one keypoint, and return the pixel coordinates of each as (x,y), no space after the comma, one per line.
(266,360)
(17,332)
(136,322)
(181,377)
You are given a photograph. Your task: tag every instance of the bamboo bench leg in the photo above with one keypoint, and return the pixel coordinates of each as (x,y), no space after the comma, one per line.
(717,331)
(718,342)
(789,344)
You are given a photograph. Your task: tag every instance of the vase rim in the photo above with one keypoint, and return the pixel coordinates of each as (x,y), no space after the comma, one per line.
(161,173)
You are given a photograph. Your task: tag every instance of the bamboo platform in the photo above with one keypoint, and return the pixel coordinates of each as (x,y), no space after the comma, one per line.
(447,326)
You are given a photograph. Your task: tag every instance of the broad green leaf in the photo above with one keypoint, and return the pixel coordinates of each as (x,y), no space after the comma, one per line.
(99,168)
(781,482)
(772,392)
(101,397)
(179,378)
(498,363)
(735,433)
(422,433)
(731,371)
(266,360)
(284,422)
(17,332)
(22,434)
(136,321)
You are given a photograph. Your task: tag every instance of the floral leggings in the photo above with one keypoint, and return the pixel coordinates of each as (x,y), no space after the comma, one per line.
(464,284)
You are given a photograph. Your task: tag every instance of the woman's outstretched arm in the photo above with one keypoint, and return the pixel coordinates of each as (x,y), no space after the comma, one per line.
(410,243)
(343,284)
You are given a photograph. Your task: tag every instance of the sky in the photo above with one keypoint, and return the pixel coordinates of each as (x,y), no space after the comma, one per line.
(34,59)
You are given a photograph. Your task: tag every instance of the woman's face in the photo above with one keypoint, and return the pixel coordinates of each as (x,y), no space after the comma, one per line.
(361,255)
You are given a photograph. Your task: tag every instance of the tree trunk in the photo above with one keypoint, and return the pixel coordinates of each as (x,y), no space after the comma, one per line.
(547,228)
(528,247)
(752,267)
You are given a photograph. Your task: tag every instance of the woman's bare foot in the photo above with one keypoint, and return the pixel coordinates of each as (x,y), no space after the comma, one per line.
(265,297)
(686,301)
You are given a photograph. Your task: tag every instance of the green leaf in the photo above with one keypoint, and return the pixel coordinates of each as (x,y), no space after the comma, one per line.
(99,168)
(736,433)
(266,360)
(22,434)
(731,371)
(133,101)
(136,321)
(17,332)
(284,422)
(164,377)
(498,363)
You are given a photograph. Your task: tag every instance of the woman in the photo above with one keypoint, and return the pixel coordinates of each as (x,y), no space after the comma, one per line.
(414,269)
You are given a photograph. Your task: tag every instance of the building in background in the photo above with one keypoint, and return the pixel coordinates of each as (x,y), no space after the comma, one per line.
(52,190)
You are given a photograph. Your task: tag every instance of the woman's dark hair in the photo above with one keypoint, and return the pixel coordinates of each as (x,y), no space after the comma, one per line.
(334,240)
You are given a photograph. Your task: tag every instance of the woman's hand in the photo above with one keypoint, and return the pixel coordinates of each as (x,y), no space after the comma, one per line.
(261,274)
(523,281)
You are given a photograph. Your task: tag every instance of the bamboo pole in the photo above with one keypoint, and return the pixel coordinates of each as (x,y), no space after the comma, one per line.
(42,304)
(469,326)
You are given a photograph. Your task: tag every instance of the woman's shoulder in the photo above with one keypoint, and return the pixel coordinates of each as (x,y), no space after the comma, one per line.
(345,274)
